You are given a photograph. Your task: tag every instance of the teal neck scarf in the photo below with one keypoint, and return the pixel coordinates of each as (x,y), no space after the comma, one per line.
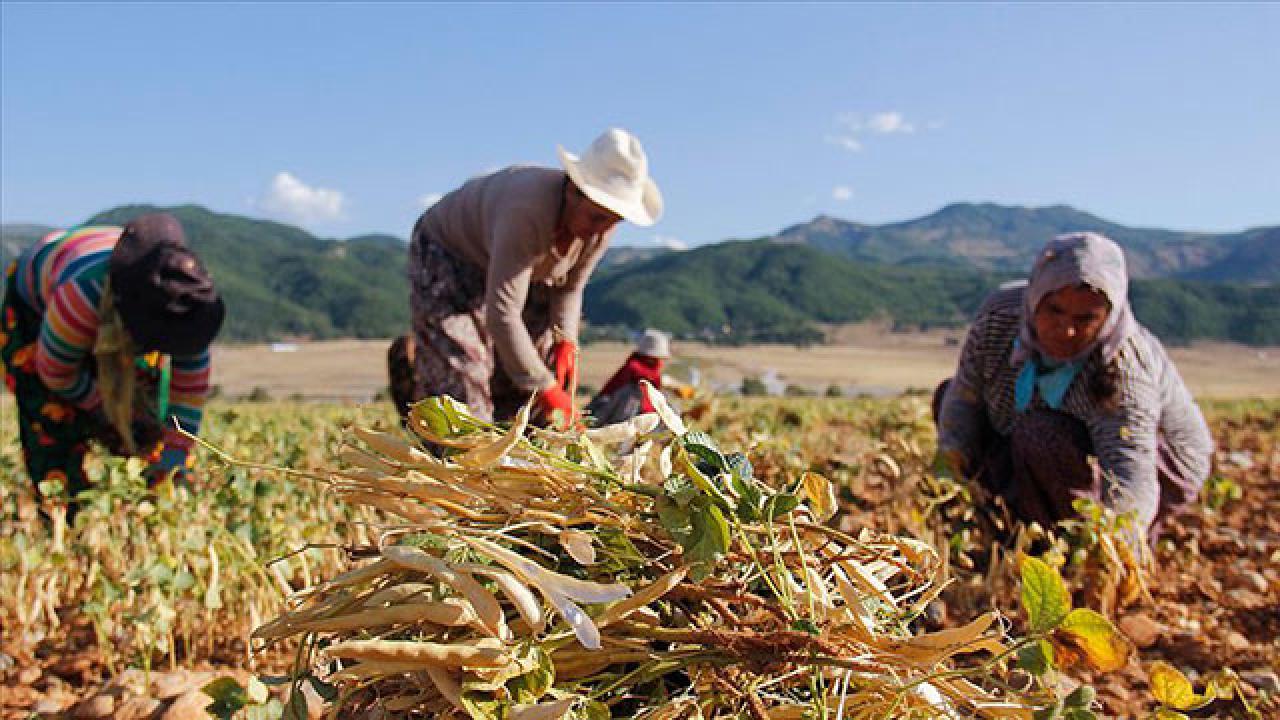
(1051,379)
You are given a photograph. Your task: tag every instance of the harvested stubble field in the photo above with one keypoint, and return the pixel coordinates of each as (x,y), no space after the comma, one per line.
(153,594)
(861,359)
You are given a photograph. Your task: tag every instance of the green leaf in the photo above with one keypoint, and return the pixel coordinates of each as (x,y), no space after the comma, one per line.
(806,625)
(228,697)
(618,554)
(1044,596)
(674,519)
(432,411)
(1081,697)
(531,686)
(1036,658)
(483,706)
(684,463)
(710,537)
(780,504)
(680,489)
(702,447)
(591,710)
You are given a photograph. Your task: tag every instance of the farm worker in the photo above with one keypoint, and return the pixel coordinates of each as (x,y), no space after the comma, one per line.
(497,270)
(1057,372)
(105,335)
(622,398)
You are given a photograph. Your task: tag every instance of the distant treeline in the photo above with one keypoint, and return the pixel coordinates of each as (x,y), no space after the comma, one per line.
(760,291)
(280,282)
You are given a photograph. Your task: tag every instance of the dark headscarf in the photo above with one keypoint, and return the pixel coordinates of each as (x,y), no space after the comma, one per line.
(165,296)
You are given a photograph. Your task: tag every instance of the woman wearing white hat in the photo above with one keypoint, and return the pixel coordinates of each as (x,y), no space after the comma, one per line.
(497,269)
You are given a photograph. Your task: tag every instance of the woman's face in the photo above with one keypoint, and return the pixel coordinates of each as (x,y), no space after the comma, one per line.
(583,218)
(1067,320)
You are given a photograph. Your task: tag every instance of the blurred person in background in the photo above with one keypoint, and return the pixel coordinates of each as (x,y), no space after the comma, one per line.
(622,398)
(104,335)
(1061,394)
(497,270)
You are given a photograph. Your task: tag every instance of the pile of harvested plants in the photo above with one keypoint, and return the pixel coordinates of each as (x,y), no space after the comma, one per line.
(634,570)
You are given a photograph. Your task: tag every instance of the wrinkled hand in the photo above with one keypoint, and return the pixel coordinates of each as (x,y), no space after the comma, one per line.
(555,408)
(564,363)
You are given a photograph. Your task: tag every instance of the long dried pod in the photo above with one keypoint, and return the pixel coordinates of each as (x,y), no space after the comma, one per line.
(421,654)
(525,602)
(649,593)
(486,606)
(393,447)
(446,613)
(488,455)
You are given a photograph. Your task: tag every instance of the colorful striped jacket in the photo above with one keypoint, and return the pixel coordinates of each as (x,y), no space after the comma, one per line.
(1153,402)
(62,277)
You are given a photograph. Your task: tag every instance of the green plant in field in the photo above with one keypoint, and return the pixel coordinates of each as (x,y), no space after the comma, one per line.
(1060,637)
(172,571)
(1106,555)
(1219,490)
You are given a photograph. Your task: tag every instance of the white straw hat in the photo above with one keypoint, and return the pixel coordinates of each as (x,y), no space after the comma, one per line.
(614,174)
(654,343)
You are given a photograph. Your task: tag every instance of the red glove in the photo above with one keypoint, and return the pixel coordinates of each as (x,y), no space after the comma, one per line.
(555,407)
(564,361)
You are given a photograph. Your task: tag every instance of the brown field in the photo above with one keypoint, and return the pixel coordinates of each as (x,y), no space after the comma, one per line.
(864,360)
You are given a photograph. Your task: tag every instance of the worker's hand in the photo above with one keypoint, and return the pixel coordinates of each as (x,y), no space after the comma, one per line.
(564,363)
(555,408)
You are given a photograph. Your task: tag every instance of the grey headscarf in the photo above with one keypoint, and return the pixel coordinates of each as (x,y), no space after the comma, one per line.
(1070,260)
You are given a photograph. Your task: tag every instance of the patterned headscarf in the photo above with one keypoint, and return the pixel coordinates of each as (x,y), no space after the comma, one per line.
(1070,260)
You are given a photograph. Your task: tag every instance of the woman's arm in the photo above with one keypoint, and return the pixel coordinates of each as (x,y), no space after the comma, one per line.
(67,333)
(962,417)
(511,262)
(188,391)
(1125,441)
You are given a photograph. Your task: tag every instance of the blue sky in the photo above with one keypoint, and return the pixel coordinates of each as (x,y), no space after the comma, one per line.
(345,118)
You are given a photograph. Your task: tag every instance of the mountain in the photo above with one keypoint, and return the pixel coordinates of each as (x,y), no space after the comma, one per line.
(756,291)
(281,281)
(1003,238)
(766,291)
(1254,259)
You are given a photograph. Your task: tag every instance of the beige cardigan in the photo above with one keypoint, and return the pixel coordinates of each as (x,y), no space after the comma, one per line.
(505,223)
